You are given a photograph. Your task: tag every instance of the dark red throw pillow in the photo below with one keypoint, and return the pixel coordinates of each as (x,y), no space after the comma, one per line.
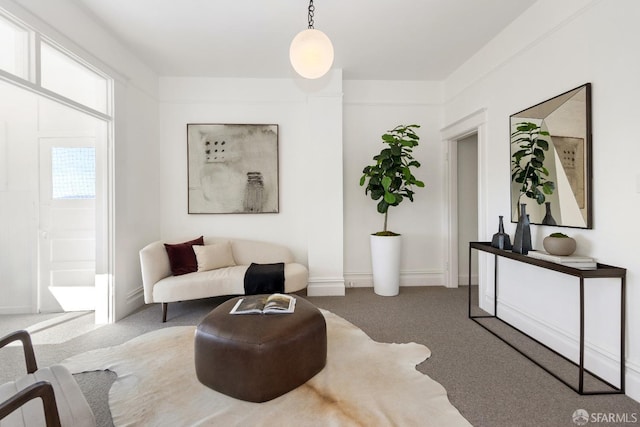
(182,258)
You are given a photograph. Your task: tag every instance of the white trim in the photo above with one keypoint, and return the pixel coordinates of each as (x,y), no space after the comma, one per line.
(451,212)
(35,63)
(632,380)
(4,155)
(461,128)
(464,126)
(109,224)
(325,286)
(393,103)
(464,279)
(486,302)
(39,90)
(408,278)
(105,229)
(136,296)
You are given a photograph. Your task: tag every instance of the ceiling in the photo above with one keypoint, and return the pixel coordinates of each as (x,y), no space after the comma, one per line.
(372,39)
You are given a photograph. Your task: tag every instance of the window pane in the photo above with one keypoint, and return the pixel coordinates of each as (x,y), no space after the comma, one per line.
(14,48)
(64,75)
(73,172)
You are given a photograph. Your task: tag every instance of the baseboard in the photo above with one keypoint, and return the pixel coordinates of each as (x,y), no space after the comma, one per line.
(597,359)
(487,303)
(463,279)
(136,296)
(133,300)
(325,286)
(632,378)
(407,278)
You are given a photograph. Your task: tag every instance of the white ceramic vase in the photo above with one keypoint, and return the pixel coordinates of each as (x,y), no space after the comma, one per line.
(385,260)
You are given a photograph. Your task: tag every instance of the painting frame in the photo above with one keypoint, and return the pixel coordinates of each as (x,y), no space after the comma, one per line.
(232,168)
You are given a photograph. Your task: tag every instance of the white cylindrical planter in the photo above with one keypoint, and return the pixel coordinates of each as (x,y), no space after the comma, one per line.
(385,260)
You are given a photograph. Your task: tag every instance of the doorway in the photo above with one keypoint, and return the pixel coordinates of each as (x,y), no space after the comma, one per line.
(472,124)
(467,194)
(49,155)
(67,231)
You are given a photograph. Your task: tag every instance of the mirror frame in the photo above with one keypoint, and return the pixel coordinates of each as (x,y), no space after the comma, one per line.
(588,158)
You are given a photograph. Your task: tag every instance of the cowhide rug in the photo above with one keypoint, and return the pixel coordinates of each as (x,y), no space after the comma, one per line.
(365,383)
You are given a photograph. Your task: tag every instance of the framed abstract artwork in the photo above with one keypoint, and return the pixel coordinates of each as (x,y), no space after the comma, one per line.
(232,168)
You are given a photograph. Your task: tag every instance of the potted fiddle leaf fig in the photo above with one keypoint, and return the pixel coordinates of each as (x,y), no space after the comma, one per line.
(390,181)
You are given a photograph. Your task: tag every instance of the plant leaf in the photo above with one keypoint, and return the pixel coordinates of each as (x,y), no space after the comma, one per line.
(386,182)
(389,198)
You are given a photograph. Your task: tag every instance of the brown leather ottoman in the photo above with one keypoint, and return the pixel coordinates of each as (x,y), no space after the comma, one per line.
(258,357)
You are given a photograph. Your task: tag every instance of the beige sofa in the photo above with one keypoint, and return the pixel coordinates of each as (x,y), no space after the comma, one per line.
(160,286)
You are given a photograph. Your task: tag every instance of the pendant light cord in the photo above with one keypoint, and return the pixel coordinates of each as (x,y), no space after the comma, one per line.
(312,9)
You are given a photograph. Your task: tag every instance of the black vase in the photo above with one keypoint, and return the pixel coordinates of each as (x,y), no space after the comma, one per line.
(522,239)
(501,239)
(548,218)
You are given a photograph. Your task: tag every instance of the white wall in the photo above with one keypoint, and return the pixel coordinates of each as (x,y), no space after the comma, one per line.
(134,153)
(309,115)
(370,109)
(564,45)
(136,191)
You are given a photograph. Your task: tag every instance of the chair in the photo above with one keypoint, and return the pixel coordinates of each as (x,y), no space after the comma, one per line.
(63,404)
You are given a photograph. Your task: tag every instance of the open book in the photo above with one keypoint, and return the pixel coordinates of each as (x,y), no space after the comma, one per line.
(265,304)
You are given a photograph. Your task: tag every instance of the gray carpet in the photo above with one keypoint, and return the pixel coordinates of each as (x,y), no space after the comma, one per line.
(490,383)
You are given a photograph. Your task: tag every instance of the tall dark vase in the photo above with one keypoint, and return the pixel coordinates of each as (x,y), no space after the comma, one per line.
(548,218)
(522,239)
(501,239)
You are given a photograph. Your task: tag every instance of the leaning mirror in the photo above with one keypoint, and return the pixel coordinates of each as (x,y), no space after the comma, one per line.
(551,160)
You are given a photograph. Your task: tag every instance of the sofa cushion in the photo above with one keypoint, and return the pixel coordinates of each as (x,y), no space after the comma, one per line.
(182,258)
(222,281)
(247,251)
(211,257)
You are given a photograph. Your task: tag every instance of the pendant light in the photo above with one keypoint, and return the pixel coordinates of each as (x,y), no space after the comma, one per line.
(311,51)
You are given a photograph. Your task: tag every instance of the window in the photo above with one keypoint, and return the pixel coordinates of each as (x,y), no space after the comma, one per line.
(62,74)
(14,48)
(27,55)
(73,172)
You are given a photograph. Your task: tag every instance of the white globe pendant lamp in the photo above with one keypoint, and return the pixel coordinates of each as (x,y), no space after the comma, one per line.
(311,51)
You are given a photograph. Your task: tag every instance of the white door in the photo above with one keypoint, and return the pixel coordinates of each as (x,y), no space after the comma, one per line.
(67,246)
